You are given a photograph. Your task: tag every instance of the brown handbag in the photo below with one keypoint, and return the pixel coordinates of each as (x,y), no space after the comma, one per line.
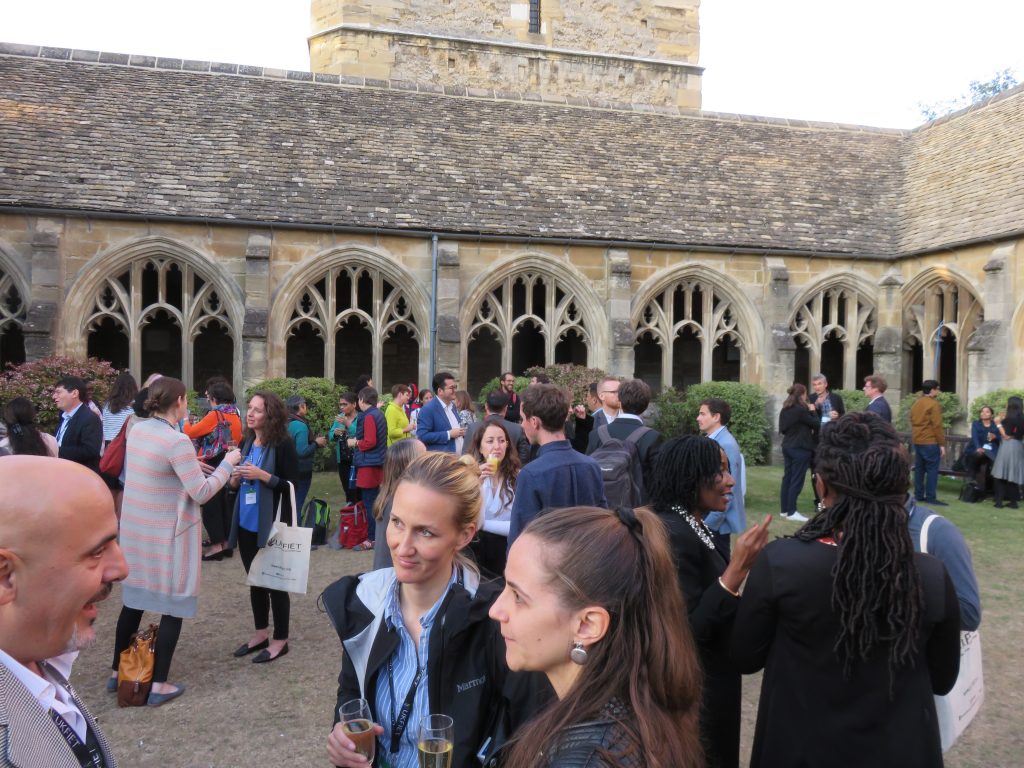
(135,669)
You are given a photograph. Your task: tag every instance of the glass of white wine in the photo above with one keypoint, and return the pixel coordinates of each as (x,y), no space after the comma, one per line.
(357,722)
(437,733)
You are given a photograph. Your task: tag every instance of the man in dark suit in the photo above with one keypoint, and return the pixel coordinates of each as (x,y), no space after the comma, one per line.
(874,388)
(80,432)
(59,557)
(495,407)
(508,386)
(633,397)
(827,403)
(437,425)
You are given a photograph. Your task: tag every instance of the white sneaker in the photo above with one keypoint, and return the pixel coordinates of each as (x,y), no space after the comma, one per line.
(795,517)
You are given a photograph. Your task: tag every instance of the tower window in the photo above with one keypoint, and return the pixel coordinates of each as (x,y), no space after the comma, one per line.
(535,15)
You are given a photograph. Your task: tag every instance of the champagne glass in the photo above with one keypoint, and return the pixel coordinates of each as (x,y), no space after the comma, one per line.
(357,722)
(437,734)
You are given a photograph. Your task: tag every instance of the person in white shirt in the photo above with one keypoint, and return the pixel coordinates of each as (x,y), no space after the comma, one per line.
(59,557)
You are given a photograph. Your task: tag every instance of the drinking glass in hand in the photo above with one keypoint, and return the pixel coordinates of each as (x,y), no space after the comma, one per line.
(437,732)
(357,722)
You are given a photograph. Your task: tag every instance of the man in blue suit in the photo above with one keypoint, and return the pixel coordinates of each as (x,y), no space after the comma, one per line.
(437,425)
(713,418)
(874,388)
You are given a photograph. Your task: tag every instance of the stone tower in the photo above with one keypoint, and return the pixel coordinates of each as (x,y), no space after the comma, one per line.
(641,52)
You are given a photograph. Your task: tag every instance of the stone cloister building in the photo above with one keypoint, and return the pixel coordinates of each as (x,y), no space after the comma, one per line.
(494,188)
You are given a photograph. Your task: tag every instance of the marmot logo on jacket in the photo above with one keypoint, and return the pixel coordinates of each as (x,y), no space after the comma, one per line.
(463,687)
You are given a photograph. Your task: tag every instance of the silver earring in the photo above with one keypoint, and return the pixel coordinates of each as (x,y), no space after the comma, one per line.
(820,507)
(578,654)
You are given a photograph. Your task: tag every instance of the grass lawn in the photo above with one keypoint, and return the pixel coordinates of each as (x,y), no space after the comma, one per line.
(996,538)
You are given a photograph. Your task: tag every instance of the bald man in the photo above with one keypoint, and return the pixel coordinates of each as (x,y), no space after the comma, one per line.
(59,557)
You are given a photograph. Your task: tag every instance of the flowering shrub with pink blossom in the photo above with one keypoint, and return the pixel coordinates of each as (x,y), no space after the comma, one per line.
(35,380)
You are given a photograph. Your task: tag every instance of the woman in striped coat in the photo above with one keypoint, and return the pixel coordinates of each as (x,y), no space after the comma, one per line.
(161,528)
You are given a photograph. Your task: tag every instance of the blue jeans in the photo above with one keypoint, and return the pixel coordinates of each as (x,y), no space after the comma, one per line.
(926,465)
(797,461)
(369,497)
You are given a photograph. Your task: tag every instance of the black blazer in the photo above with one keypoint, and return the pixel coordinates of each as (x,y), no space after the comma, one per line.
(82,439)
(810,714)
(711,610)
(620,429)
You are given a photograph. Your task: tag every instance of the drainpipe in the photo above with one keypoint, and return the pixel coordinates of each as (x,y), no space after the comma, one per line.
(433,307)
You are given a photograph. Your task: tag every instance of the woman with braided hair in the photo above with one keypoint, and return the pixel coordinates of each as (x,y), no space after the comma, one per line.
(854,631)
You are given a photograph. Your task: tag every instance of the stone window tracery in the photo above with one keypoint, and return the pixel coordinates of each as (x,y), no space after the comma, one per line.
(834,331)
(350,321)
(160,315)
(686,334)
(526,319)
(13,310)
(937,322)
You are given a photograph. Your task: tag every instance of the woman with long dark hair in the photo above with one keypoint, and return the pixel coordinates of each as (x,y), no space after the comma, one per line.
(23,435)
(399,456)
(161,531)
(798,425)
(118,407)
(1008,469)
(492,448)
(690,479)
(854,631)
(269,464)
(591,601)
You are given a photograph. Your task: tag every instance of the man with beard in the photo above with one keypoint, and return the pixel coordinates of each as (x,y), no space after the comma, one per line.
(59,557)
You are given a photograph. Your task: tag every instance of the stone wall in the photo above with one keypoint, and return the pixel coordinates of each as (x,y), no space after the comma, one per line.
(630,51)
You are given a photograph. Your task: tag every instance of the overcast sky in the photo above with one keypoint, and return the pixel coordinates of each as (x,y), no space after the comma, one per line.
(869,62)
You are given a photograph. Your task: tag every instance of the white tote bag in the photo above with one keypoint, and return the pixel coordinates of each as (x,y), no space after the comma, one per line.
(957,708)
(283,564)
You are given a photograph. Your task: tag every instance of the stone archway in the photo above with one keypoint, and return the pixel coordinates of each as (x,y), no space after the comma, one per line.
(693,324)
(530,309)
(157,305)
(14,300)
(349,311)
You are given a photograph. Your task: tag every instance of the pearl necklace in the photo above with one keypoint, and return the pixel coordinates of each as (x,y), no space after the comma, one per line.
(699,526)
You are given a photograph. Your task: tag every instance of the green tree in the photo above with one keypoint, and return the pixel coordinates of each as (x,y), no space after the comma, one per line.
(978,91)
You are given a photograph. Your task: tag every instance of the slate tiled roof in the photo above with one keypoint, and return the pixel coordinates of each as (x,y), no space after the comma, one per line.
(226,142)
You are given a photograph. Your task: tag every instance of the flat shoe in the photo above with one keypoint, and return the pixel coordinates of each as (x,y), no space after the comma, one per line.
(264,657)
(245,649)
(112,684)
(156,699)
(214,556)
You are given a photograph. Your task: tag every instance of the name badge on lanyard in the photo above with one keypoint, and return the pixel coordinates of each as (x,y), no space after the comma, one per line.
(250,496)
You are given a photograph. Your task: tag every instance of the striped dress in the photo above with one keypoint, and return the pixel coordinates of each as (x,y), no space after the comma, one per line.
(161,525)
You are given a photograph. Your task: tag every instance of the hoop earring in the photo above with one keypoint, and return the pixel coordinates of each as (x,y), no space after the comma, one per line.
(578,654)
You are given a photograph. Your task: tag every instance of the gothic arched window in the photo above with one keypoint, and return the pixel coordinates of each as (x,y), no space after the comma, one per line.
(686,334)
(13,310)
(834,332)
(349,321)
(526,319)
(160,315)
(937,322)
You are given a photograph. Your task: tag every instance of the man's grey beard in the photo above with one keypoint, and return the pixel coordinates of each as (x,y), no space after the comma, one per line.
(78,643)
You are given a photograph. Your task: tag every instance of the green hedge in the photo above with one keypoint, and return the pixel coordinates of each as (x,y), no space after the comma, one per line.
(677,414)
(952,410)
(37,378)
(321,397)
(996,400)
(853,399)
(522,382)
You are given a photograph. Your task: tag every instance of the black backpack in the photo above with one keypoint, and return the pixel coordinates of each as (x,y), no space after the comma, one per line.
(317,515)
(620,468)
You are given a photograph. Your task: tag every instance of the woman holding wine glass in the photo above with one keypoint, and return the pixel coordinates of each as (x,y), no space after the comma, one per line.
(499,468)
(592,601)
(417,639)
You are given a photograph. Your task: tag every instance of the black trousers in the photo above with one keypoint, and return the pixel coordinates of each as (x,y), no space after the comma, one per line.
(344,470)
(166,640)
(264,600)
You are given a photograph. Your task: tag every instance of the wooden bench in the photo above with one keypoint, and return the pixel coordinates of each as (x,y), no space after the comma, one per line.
(955,445)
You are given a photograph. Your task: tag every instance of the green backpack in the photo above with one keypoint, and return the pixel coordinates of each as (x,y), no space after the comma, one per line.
(317,515)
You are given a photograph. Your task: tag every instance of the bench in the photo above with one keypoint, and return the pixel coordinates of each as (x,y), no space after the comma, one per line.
(955,445)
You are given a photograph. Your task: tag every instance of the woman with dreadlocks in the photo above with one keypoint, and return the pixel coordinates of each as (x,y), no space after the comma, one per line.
(691,478)
(854,631)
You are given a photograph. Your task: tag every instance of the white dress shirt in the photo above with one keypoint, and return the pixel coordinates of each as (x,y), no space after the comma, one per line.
(48,693)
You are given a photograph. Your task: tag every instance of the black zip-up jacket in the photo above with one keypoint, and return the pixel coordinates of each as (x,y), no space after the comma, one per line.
(799,427)
(466,671)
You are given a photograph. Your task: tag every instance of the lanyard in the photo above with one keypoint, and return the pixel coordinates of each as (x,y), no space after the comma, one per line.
(401,720)
(89,756)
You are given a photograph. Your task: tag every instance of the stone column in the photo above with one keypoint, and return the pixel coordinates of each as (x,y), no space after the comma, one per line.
(43,318)
(449,296)
(988,349)
(888,345)
(257,313)
(621,340)
(780,348)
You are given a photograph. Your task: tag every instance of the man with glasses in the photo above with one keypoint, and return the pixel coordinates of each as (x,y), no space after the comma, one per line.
(437,426)
(508,385)
(608,395)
